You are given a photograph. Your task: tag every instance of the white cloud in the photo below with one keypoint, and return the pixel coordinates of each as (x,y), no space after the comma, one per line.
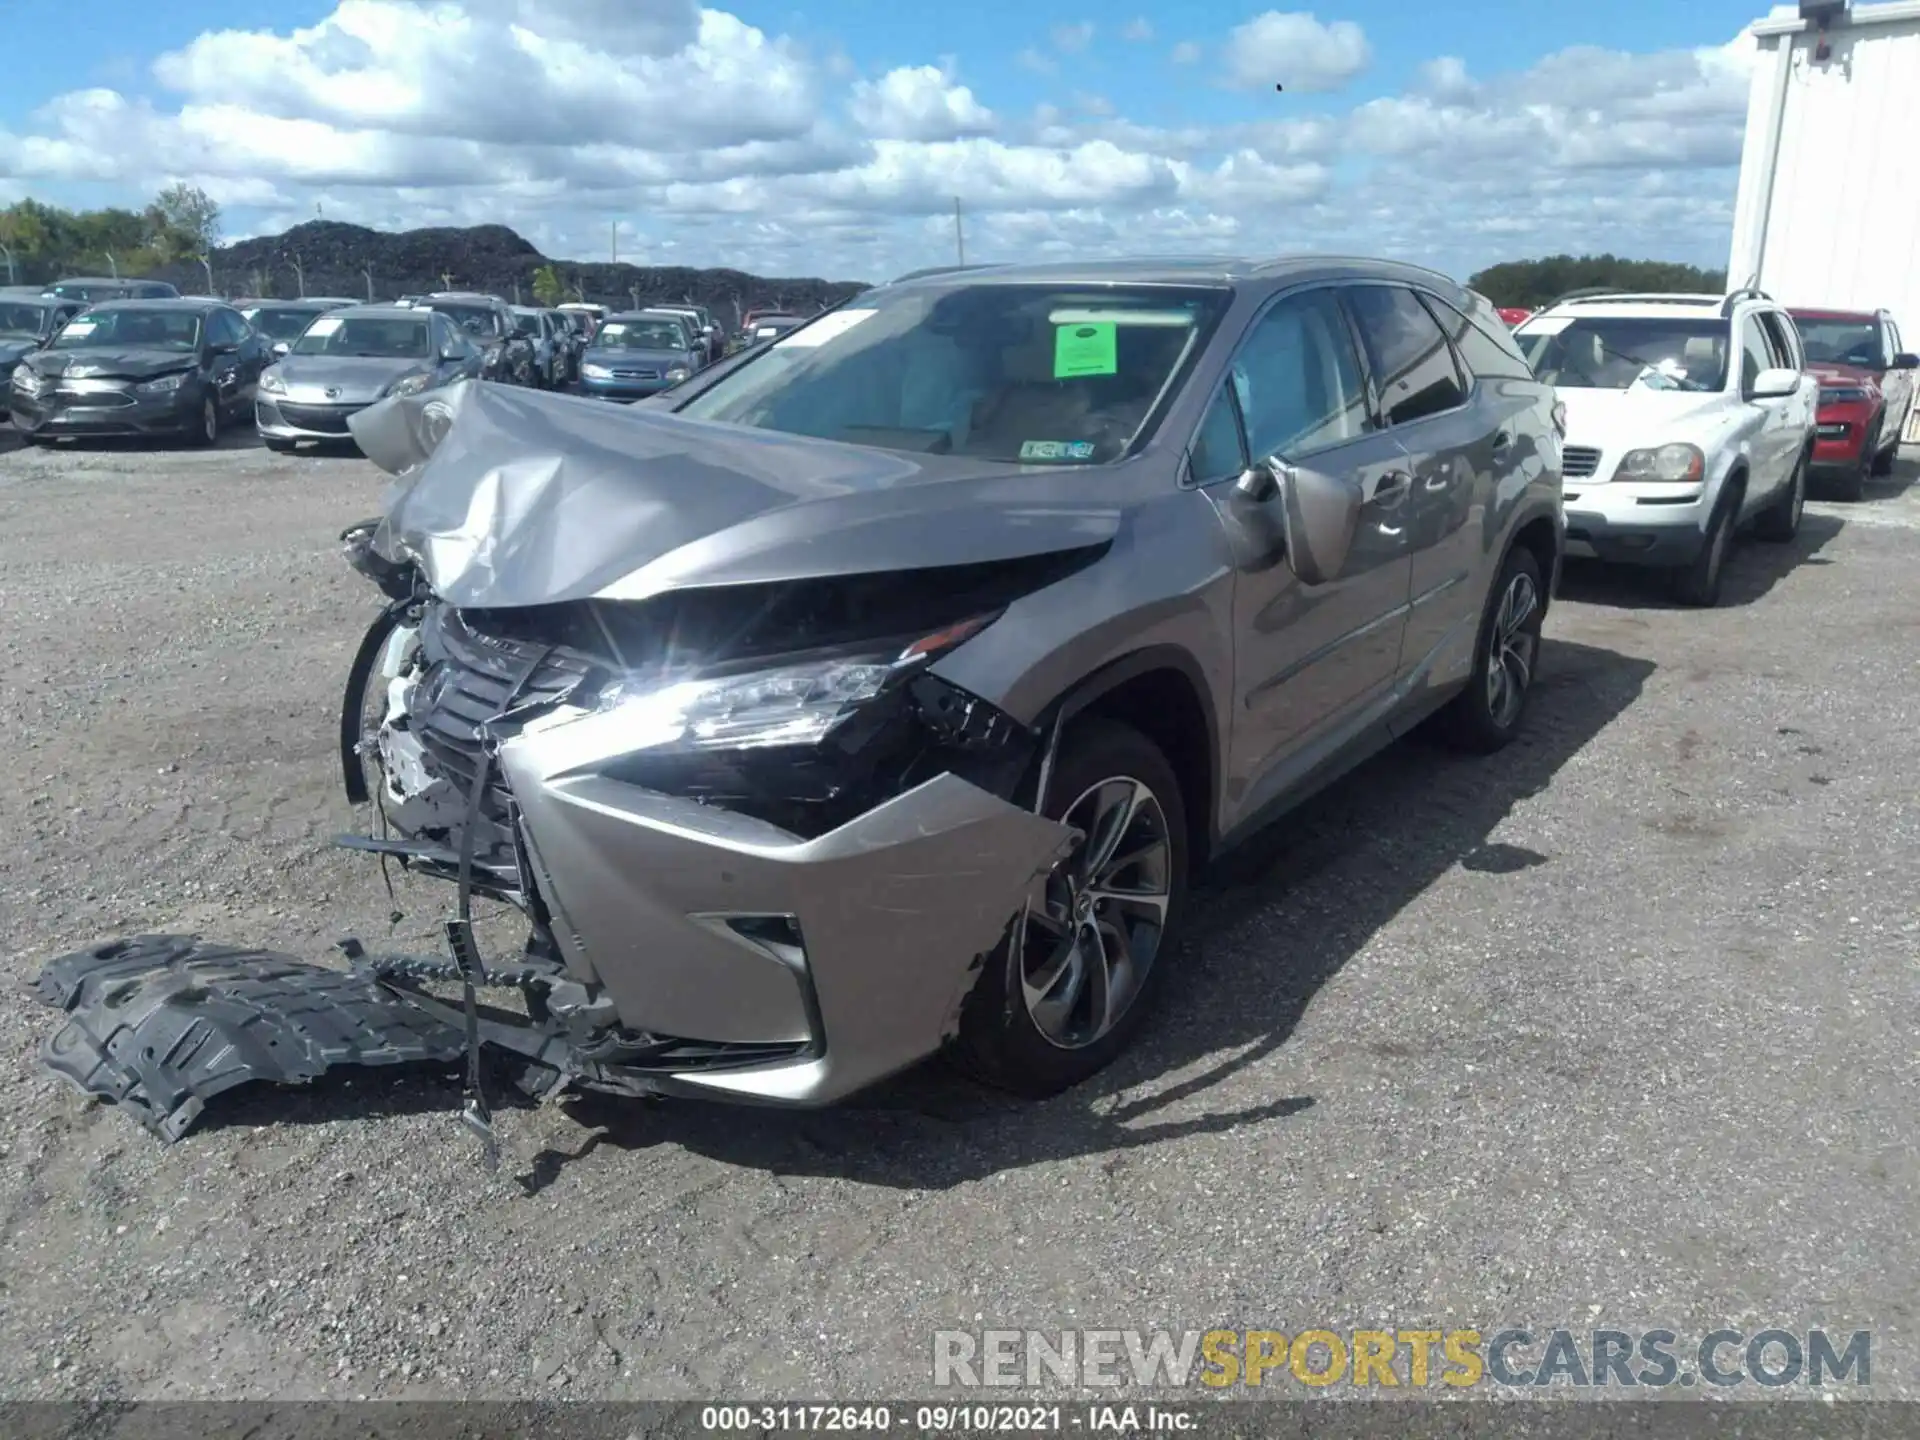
(1297,51)
(920,103)
(390,112)
(1072,39)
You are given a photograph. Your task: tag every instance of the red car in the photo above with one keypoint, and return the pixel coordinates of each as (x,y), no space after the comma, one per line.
(1514,315)
(1866,386)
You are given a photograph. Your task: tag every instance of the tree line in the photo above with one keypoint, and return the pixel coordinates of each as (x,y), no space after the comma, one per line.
(180,226)
(1529,284)
(42,242)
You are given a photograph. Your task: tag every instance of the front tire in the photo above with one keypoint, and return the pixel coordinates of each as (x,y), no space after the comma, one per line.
(1486,715)
(1067,989)
(1780,521)
(207,431)
(1883,460)
(1697,584)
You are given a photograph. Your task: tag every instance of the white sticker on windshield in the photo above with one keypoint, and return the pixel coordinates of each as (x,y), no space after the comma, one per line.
(324,326)
(80,327)
(826,328)
(1551,325)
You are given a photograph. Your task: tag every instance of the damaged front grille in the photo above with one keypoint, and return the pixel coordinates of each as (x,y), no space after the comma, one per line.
(469,679)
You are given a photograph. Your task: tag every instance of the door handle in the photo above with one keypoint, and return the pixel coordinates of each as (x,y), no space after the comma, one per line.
(1389,488)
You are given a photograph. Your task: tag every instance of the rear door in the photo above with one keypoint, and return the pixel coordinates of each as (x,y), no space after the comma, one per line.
(1455,455)
(1309,659)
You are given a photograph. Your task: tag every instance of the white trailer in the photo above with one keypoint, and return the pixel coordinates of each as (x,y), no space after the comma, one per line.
(1828,210)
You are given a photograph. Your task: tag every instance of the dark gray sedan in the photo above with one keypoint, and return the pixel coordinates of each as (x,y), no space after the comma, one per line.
(348,358)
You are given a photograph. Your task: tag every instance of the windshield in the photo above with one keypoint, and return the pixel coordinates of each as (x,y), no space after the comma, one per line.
(474,319)
(279,323)
(131,330)
(1019,373)
(1841,342)
(641,335)
(367,337)
(1613,352)
(22,320)
(528,325)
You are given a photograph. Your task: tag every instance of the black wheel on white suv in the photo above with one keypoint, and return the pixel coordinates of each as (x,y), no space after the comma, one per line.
(1066,990)
(1487,714)
(1697,583)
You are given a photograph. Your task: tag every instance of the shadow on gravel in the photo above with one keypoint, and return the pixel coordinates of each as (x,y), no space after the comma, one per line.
(1753,568)
(235,437)
(1263,942)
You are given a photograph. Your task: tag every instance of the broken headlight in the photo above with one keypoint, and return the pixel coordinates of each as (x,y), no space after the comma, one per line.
(799,702)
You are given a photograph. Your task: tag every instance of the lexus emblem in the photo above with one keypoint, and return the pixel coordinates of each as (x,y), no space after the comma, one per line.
(333,392)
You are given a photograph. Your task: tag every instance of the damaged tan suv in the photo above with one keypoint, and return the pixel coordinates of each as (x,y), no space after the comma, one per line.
(878,691)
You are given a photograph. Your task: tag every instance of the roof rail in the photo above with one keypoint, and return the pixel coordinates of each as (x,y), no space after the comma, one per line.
(1591,292)
(1745,292)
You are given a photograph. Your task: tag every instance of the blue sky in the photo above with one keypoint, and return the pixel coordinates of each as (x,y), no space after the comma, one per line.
(1066,125)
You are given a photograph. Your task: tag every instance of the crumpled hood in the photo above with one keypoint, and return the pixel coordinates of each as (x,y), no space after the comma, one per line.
(129,364)
(530,498)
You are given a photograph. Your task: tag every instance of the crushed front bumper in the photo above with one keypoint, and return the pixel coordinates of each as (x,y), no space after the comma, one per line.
(104,414)
(853,951)
(805,950)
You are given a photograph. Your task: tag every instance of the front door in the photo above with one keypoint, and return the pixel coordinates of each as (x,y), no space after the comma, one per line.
(1308,659)
(1773,443)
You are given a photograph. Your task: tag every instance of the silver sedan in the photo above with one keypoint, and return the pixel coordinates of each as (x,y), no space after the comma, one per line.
(348,359)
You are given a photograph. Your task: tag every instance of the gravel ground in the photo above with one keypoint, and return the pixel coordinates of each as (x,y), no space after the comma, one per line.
(1615,1028)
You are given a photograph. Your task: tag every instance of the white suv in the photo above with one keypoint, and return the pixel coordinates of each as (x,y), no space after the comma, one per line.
(1686,415)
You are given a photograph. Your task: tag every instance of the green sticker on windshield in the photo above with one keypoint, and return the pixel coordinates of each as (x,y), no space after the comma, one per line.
(1085,350)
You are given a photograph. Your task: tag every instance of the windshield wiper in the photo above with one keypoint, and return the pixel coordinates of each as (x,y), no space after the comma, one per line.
(1681,381)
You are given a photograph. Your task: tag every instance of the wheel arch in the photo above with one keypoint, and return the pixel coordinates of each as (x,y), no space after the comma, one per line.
(1161,691)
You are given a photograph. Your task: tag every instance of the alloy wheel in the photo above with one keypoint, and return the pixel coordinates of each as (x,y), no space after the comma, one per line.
(1511,650)
(1087,942)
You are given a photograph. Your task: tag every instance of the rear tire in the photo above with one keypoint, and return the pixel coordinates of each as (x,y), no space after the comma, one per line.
(1486,715)
(1040,971)
(1780,521)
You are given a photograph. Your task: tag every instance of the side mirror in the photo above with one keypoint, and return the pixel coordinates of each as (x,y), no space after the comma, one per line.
(1775,384)
(281,349)
(1906,360)
(1320,514)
